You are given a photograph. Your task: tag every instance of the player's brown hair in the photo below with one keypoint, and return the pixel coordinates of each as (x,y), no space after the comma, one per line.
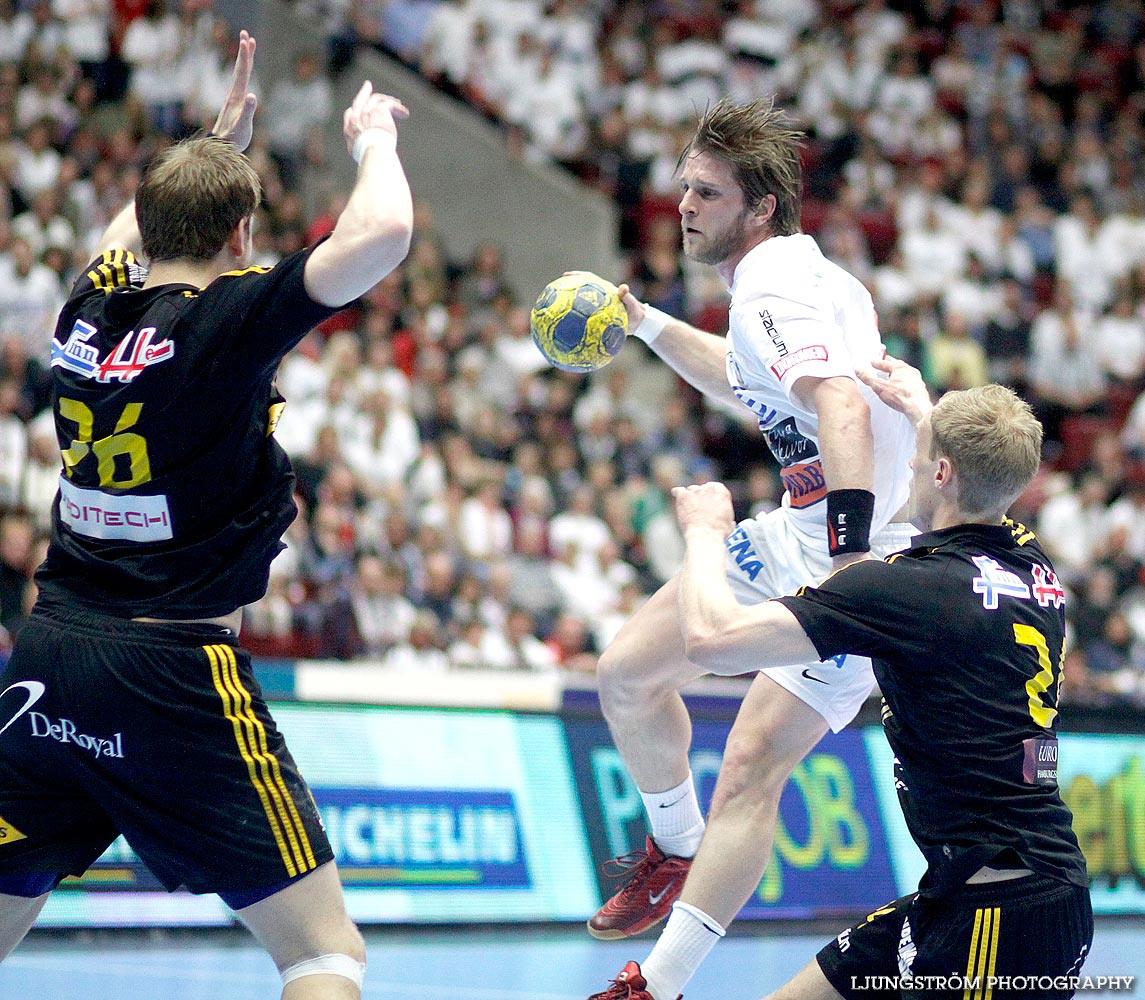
(757,140)
(994,441)
(192,197)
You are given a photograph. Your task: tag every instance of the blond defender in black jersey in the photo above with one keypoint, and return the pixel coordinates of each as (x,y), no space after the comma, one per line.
(966,631)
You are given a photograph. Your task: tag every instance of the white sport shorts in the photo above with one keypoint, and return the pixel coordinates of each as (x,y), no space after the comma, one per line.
(767,558)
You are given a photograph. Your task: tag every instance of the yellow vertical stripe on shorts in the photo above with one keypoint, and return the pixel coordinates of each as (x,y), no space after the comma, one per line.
(983,956)
(993,951)
(265,774)
(972,958)
(294,825)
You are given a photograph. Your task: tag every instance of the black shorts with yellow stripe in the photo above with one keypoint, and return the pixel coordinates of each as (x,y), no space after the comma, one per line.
(1023,938)
(156,732)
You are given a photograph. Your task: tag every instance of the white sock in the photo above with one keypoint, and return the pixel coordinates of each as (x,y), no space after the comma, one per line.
(685,943)
(677,823)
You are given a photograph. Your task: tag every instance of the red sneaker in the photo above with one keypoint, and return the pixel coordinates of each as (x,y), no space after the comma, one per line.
(629,985)
(654,881)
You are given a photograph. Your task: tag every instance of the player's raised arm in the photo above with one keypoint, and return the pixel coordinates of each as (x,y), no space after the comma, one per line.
(372,235)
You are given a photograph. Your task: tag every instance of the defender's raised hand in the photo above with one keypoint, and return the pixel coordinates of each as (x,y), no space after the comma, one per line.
(235,122)
(371,111)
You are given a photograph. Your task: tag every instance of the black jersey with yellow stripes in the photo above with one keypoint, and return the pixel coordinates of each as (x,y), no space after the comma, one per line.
(966,631)
(173,495)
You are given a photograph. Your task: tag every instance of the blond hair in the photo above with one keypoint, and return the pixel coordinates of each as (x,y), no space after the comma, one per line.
(994,442)
(759,143)
(192,197)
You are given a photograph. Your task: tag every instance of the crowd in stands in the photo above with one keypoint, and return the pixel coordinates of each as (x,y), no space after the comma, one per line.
(978,165)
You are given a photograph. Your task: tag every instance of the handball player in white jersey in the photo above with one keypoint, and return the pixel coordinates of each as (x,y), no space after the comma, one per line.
(800,326)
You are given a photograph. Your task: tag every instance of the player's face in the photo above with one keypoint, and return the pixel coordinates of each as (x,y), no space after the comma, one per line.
(923,495)
(715,220)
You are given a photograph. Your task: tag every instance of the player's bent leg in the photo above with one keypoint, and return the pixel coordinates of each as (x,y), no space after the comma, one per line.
(808,983)
(772,733)
(639,677)
(17,914)
(314,944)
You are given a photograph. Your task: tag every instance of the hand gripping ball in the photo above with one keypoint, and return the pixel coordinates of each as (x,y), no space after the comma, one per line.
(578,322)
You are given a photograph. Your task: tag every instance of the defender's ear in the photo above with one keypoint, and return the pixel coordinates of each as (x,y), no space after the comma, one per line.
(239,239)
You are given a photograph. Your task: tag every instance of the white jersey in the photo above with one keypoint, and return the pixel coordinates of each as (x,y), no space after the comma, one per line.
(795,313)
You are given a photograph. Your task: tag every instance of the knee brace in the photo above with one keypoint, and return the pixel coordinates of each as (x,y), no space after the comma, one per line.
(327,965)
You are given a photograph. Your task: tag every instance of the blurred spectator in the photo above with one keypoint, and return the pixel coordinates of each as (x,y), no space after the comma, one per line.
(17,546)
(421,651)
(13,445)
(571,645)
(41,473)
(1007,337)
(1119,341)
(42,226)
(481,647)
(30,297)
(954,359)
(381,615)
(1065,373)
(1073,524)
(295,106)
(154,46)
(527,651)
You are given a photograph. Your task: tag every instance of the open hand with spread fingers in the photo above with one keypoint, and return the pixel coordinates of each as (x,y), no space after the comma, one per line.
(235,122)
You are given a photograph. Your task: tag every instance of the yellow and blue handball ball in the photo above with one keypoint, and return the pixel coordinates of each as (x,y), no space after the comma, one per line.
(579,322)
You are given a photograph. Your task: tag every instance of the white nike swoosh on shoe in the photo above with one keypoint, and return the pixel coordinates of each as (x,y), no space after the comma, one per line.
(655,899)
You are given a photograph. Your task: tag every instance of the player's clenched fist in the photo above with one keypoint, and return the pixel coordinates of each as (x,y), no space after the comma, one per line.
(708,505)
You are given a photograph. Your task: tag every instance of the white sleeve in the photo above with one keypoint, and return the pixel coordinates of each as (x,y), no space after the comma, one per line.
(789,336)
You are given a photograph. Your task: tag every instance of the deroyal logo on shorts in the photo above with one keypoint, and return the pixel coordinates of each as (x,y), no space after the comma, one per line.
(66,731)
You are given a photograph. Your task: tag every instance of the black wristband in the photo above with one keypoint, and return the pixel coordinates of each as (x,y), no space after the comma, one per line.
(849,516)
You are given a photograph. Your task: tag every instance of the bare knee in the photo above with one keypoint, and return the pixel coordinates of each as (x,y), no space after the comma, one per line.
(621,686)
(340,938)
(305,921)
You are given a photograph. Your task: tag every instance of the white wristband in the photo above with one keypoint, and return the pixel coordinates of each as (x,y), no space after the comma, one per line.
(653,323)
(373,137)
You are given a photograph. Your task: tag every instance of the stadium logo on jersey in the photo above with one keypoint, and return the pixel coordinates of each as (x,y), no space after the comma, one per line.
(1047,589)
(997,582)
(816,352)
(134,353)
(772,332)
